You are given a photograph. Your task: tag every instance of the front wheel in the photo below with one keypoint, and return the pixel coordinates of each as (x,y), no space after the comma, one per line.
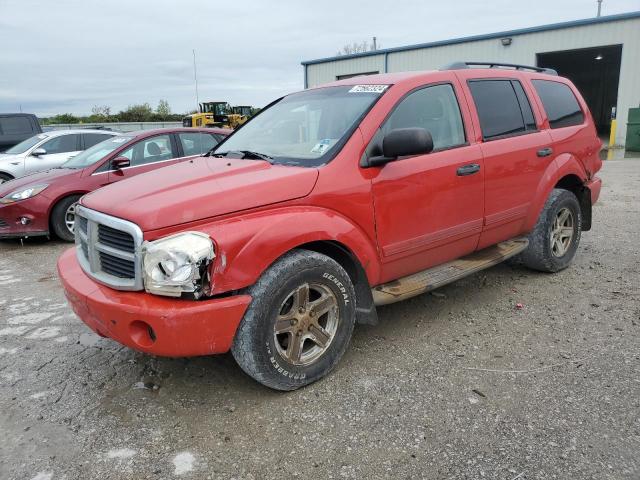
(554,240)
(63,218)
(299,323)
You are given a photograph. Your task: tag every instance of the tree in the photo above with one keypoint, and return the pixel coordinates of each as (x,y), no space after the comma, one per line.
(64,118)
(136,113)
(356,47)
(163,110)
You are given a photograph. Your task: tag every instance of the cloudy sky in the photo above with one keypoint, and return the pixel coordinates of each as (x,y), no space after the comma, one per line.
(69,55)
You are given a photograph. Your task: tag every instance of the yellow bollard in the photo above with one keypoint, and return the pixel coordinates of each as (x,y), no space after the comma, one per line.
(612,138)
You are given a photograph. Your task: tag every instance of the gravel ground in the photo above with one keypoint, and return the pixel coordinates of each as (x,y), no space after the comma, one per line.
(460,383)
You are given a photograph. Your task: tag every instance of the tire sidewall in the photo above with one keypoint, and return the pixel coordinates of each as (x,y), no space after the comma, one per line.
(58,218)
(565,200)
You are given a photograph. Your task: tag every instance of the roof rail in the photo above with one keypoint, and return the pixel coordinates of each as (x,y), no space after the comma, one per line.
(515,66)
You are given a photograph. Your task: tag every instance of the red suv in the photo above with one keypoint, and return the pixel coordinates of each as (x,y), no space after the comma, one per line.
(330,202)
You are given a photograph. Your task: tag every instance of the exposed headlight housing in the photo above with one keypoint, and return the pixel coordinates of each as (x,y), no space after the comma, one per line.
(177,264)
(23,193)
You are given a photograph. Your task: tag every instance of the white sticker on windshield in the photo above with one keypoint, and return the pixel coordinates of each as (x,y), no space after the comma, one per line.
(322,146)
(369,89)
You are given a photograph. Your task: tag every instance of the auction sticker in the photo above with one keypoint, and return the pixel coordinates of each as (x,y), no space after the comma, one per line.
(369,89)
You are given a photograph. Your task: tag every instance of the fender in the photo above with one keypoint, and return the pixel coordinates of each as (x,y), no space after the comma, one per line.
(562,165)
(247,245)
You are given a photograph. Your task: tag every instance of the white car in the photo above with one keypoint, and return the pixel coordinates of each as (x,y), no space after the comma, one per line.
(47,150)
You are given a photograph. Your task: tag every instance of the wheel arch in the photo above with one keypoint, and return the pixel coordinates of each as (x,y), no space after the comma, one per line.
(59,199)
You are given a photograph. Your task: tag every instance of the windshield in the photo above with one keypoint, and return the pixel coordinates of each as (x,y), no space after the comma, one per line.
(25,145)
(306,128)
(96,153)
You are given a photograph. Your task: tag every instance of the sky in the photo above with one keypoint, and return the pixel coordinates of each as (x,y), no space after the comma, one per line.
(65,56)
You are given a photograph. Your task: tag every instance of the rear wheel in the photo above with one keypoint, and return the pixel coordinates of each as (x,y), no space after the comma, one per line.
(299,323)
(63,218)
(554,240)
(5,177)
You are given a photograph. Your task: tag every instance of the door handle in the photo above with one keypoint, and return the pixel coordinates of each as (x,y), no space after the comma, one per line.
(468,169)
(545,152)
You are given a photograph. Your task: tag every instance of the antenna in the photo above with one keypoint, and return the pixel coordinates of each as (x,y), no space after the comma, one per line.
(599,7)
(195,78)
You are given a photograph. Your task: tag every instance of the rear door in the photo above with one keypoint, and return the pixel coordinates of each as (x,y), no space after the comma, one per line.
(516,154)
(147,154)
(58,150)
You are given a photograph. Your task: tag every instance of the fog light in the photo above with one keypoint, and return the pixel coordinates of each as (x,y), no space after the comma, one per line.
(142,334)
(25,220)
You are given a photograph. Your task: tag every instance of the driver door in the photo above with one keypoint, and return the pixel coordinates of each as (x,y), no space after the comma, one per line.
(58,150)
(429,208)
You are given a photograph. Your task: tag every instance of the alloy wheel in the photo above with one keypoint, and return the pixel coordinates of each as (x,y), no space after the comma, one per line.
(70,217)
(562,232)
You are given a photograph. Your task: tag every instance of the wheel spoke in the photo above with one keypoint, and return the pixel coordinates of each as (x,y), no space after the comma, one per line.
(322,305)
(319,335)
(566,232)
(301,296)
(562,217)
(284,324)
(294,350)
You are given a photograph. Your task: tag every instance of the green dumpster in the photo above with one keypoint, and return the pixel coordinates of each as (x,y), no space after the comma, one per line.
(633,131)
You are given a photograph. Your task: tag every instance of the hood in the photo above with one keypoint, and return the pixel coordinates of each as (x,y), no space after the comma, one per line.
(198,189)
(48,176)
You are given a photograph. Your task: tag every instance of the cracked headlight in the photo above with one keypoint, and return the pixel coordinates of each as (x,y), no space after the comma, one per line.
(23,193)
(177,264)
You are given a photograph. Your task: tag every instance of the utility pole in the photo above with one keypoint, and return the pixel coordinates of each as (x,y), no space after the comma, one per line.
(195,78)
(375,43)
(599,7)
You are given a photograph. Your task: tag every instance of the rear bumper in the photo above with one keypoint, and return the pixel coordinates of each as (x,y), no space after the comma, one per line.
(157,325)
(594,186)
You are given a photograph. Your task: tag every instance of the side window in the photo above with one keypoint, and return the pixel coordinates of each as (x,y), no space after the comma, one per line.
(62,144)
(525,106)
(15,125)
(149,150)
(91,139)
(559,102)
(498,108)
(196,143)
(434,109)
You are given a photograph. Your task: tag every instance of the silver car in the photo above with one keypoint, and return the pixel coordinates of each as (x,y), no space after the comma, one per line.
(47,150)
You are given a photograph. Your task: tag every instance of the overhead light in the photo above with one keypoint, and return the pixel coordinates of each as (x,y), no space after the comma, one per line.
(599,57)
(506,41)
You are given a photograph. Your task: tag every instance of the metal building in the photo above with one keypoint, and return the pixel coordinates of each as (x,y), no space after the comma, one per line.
(600,55)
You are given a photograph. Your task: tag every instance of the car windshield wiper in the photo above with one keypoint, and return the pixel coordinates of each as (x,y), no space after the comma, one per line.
(245,154)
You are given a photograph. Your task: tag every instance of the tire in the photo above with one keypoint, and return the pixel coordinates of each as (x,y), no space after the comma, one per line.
(59,216)
(552,245)
(272,358)
(5,177)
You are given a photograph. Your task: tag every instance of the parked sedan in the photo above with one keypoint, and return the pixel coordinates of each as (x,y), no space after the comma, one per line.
(47,150)
(44,202)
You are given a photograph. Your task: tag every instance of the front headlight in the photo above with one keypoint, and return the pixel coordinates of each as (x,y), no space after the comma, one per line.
(177,264)
(23,193)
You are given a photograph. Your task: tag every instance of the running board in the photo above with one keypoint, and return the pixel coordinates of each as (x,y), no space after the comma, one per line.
(432,278)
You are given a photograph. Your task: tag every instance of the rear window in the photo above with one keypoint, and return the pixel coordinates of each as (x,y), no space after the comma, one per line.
(15,125)
(560,103)
(91,139)
(499,108)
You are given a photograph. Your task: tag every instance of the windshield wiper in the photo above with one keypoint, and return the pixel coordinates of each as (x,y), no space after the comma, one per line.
(245,154)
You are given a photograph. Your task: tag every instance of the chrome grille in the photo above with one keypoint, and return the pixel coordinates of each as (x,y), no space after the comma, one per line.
(108,249)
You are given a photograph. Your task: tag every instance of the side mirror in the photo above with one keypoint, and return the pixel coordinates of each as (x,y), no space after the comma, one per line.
(119,163)
(39,151)
(402,142)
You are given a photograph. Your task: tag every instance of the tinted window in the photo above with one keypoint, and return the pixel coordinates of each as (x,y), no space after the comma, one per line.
(525,106)
(196,143)
(498,108)
(433,108)
(149,150)
(560,103)
(62,144)
(91,139)
(15,125)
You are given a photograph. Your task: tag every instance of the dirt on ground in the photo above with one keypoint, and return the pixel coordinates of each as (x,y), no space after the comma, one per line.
(507,374)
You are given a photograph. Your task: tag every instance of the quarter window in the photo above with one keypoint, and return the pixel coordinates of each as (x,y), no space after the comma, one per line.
(503,108)
(560,103)
(434,109)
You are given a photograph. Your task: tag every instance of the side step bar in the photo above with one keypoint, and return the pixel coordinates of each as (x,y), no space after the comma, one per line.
(432,278)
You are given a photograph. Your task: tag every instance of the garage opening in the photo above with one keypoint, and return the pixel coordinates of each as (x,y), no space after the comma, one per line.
(596,72)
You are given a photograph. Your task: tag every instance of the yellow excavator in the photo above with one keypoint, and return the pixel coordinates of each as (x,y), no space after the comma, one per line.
(214,114)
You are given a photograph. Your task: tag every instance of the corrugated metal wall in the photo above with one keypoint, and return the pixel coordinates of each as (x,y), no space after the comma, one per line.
(523,50)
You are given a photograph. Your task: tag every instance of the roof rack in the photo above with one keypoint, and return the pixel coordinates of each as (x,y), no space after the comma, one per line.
(515,66)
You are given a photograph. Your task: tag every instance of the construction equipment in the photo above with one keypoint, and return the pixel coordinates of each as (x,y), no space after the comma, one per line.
(214,114)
